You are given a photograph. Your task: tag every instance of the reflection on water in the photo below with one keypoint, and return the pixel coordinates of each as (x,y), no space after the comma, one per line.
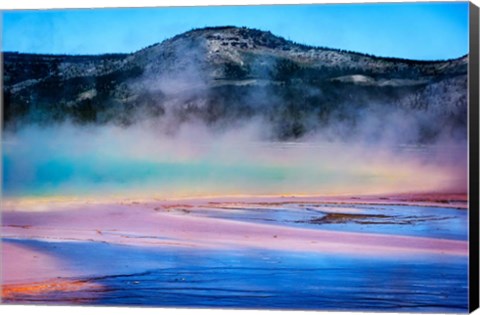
(130,275)
(447,223)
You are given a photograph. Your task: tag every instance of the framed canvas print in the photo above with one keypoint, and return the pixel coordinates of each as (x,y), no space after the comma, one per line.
(281,157)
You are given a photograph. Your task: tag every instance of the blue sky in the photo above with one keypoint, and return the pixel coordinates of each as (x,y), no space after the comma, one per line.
(410,30)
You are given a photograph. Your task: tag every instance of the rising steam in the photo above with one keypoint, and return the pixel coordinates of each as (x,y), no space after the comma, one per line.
(143,160)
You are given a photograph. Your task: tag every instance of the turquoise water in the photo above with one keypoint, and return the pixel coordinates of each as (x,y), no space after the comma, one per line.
(54,175)
(65,175)
(67,160)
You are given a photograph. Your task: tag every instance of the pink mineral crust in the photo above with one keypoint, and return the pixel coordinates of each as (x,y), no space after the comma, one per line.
(151,223)
(26,271)
(21,264)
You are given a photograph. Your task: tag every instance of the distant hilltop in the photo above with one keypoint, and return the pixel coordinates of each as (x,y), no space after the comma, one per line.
(224,74)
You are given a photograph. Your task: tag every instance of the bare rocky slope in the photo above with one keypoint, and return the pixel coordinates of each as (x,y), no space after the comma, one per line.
(224,75)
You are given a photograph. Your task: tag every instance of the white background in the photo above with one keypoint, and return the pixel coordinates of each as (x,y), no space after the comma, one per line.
(77,310)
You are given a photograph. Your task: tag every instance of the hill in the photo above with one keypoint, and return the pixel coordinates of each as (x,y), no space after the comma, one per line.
(224,75)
